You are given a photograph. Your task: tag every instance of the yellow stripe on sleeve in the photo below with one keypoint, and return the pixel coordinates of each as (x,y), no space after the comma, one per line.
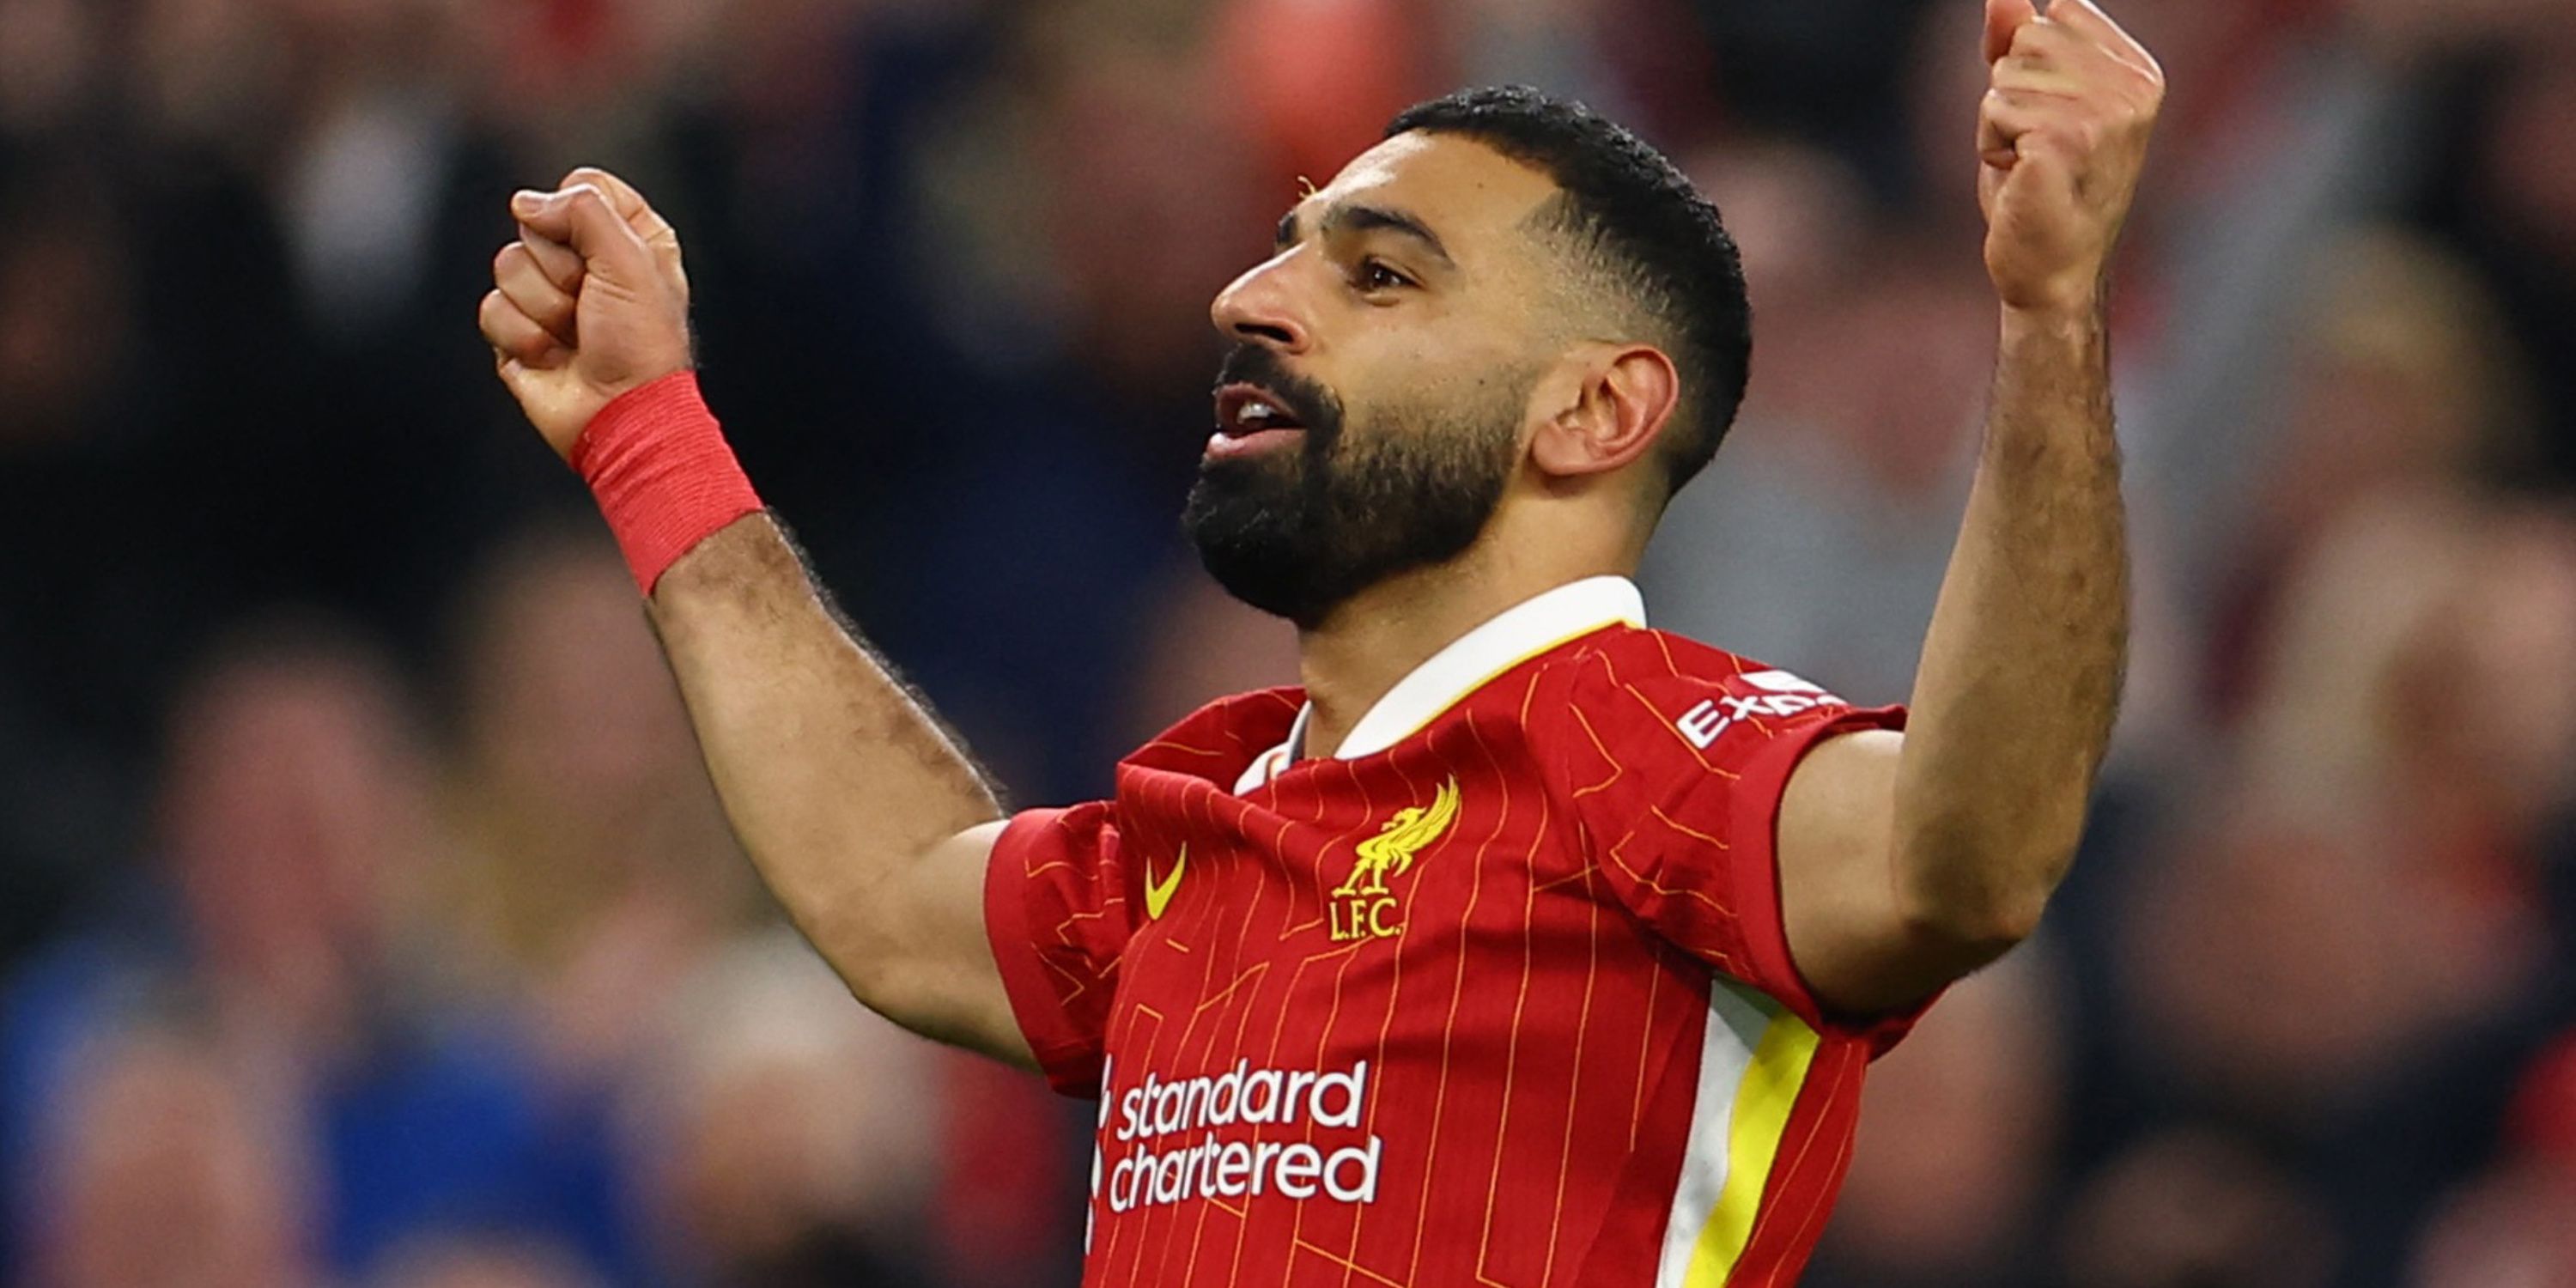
(1762,1103)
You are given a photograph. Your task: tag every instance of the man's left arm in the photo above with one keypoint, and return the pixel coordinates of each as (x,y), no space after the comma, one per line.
(1907,861)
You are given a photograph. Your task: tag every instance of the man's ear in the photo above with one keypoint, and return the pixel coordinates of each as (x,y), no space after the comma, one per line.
(1612,402)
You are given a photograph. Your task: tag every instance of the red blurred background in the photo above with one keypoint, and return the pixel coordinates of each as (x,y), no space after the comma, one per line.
(369,920)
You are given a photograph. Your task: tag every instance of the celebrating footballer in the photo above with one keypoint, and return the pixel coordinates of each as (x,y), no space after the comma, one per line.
(1522,943)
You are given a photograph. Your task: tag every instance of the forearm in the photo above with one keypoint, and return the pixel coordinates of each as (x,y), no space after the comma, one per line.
(860,812)
(2021,669)
(836,778)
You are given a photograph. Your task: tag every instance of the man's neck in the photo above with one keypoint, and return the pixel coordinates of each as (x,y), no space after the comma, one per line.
(1377,638)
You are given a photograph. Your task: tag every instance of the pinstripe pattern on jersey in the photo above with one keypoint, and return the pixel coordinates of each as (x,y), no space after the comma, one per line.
(1584,1052)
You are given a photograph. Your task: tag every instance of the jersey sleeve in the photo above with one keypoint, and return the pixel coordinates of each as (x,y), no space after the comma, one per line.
(1676,781)
(1056,911)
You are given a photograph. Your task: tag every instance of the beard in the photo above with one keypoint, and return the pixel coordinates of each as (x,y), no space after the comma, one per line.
(1297,533)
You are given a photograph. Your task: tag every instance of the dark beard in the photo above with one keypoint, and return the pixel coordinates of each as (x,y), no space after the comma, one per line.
(1298,534)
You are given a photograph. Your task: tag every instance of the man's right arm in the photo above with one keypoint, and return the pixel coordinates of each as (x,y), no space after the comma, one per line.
(868,822)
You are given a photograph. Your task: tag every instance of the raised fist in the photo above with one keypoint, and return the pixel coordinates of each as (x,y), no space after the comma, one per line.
(2062,136)
(590,302)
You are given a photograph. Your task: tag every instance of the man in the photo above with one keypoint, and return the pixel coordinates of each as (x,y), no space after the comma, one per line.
(1521,945)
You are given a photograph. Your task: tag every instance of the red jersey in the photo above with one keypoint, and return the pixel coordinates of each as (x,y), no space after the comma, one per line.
(1496,994)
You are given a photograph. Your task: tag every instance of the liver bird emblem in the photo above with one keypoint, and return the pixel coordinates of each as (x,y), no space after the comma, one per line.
(1389,853)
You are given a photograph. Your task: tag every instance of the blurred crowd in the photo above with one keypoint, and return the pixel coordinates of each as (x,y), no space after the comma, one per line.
(370,922)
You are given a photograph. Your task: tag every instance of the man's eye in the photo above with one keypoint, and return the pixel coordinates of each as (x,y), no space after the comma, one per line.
(1376,276)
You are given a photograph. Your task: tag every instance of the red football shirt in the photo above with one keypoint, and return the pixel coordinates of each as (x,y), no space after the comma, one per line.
(1496,994)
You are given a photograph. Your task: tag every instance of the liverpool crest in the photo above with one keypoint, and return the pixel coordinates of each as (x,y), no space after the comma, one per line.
(1361,906)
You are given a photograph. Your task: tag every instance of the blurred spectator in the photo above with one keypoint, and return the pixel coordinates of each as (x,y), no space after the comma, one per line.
(2509,1230)
(65,326)
(168,1165)
(786,1136)
(464,1260)
(2362,916)
(1949,1176)
(2404,378)
(1319,79)
(86,627)
(594,868)
(2507,194)
(1818,539)
(2192,1207)
(286,922)
(50,66)
(2289,972)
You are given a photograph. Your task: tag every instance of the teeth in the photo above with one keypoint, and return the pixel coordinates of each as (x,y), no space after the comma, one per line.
(1259,410)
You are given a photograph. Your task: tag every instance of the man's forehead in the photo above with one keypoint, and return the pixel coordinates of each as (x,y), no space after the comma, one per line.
(1463,189)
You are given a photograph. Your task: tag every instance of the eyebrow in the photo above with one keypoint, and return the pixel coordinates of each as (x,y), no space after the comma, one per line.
(1358,218)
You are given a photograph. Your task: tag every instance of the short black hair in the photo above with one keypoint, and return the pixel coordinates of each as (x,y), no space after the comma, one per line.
(1633,213)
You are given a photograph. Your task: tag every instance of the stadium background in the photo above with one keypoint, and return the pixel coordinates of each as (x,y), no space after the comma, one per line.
(367,920)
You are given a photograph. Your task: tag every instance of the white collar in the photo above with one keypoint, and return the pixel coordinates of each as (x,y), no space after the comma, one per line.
(1510,638)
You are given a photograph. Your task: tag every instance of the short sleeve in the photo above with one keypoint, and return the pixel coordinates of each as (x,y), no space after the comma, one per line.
(1677,781)
(1056,911)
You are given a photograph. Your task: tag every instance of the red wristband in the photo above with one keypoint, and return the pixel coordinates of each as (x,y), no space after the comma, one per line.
(658,463)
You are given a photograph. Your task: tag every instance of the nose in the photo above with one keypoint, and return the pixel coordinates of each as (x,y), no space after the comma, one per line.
(1260,307)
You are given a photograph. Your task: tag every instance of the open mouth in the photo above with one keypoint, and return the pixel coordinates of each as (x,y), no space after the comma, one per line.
(1250,418)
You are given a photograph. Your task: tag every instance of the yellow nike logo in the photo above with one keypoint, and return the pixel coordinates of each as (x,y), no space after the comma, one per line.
(1158,895)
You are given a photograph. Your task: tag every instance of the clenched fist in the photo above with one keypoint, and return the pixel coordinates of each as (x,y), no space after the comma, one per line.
(2062,135)
(590,302)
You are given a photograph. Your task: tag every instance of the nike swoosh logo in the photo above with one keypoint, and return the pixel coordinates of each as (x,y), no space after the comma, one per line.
(1158,895)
